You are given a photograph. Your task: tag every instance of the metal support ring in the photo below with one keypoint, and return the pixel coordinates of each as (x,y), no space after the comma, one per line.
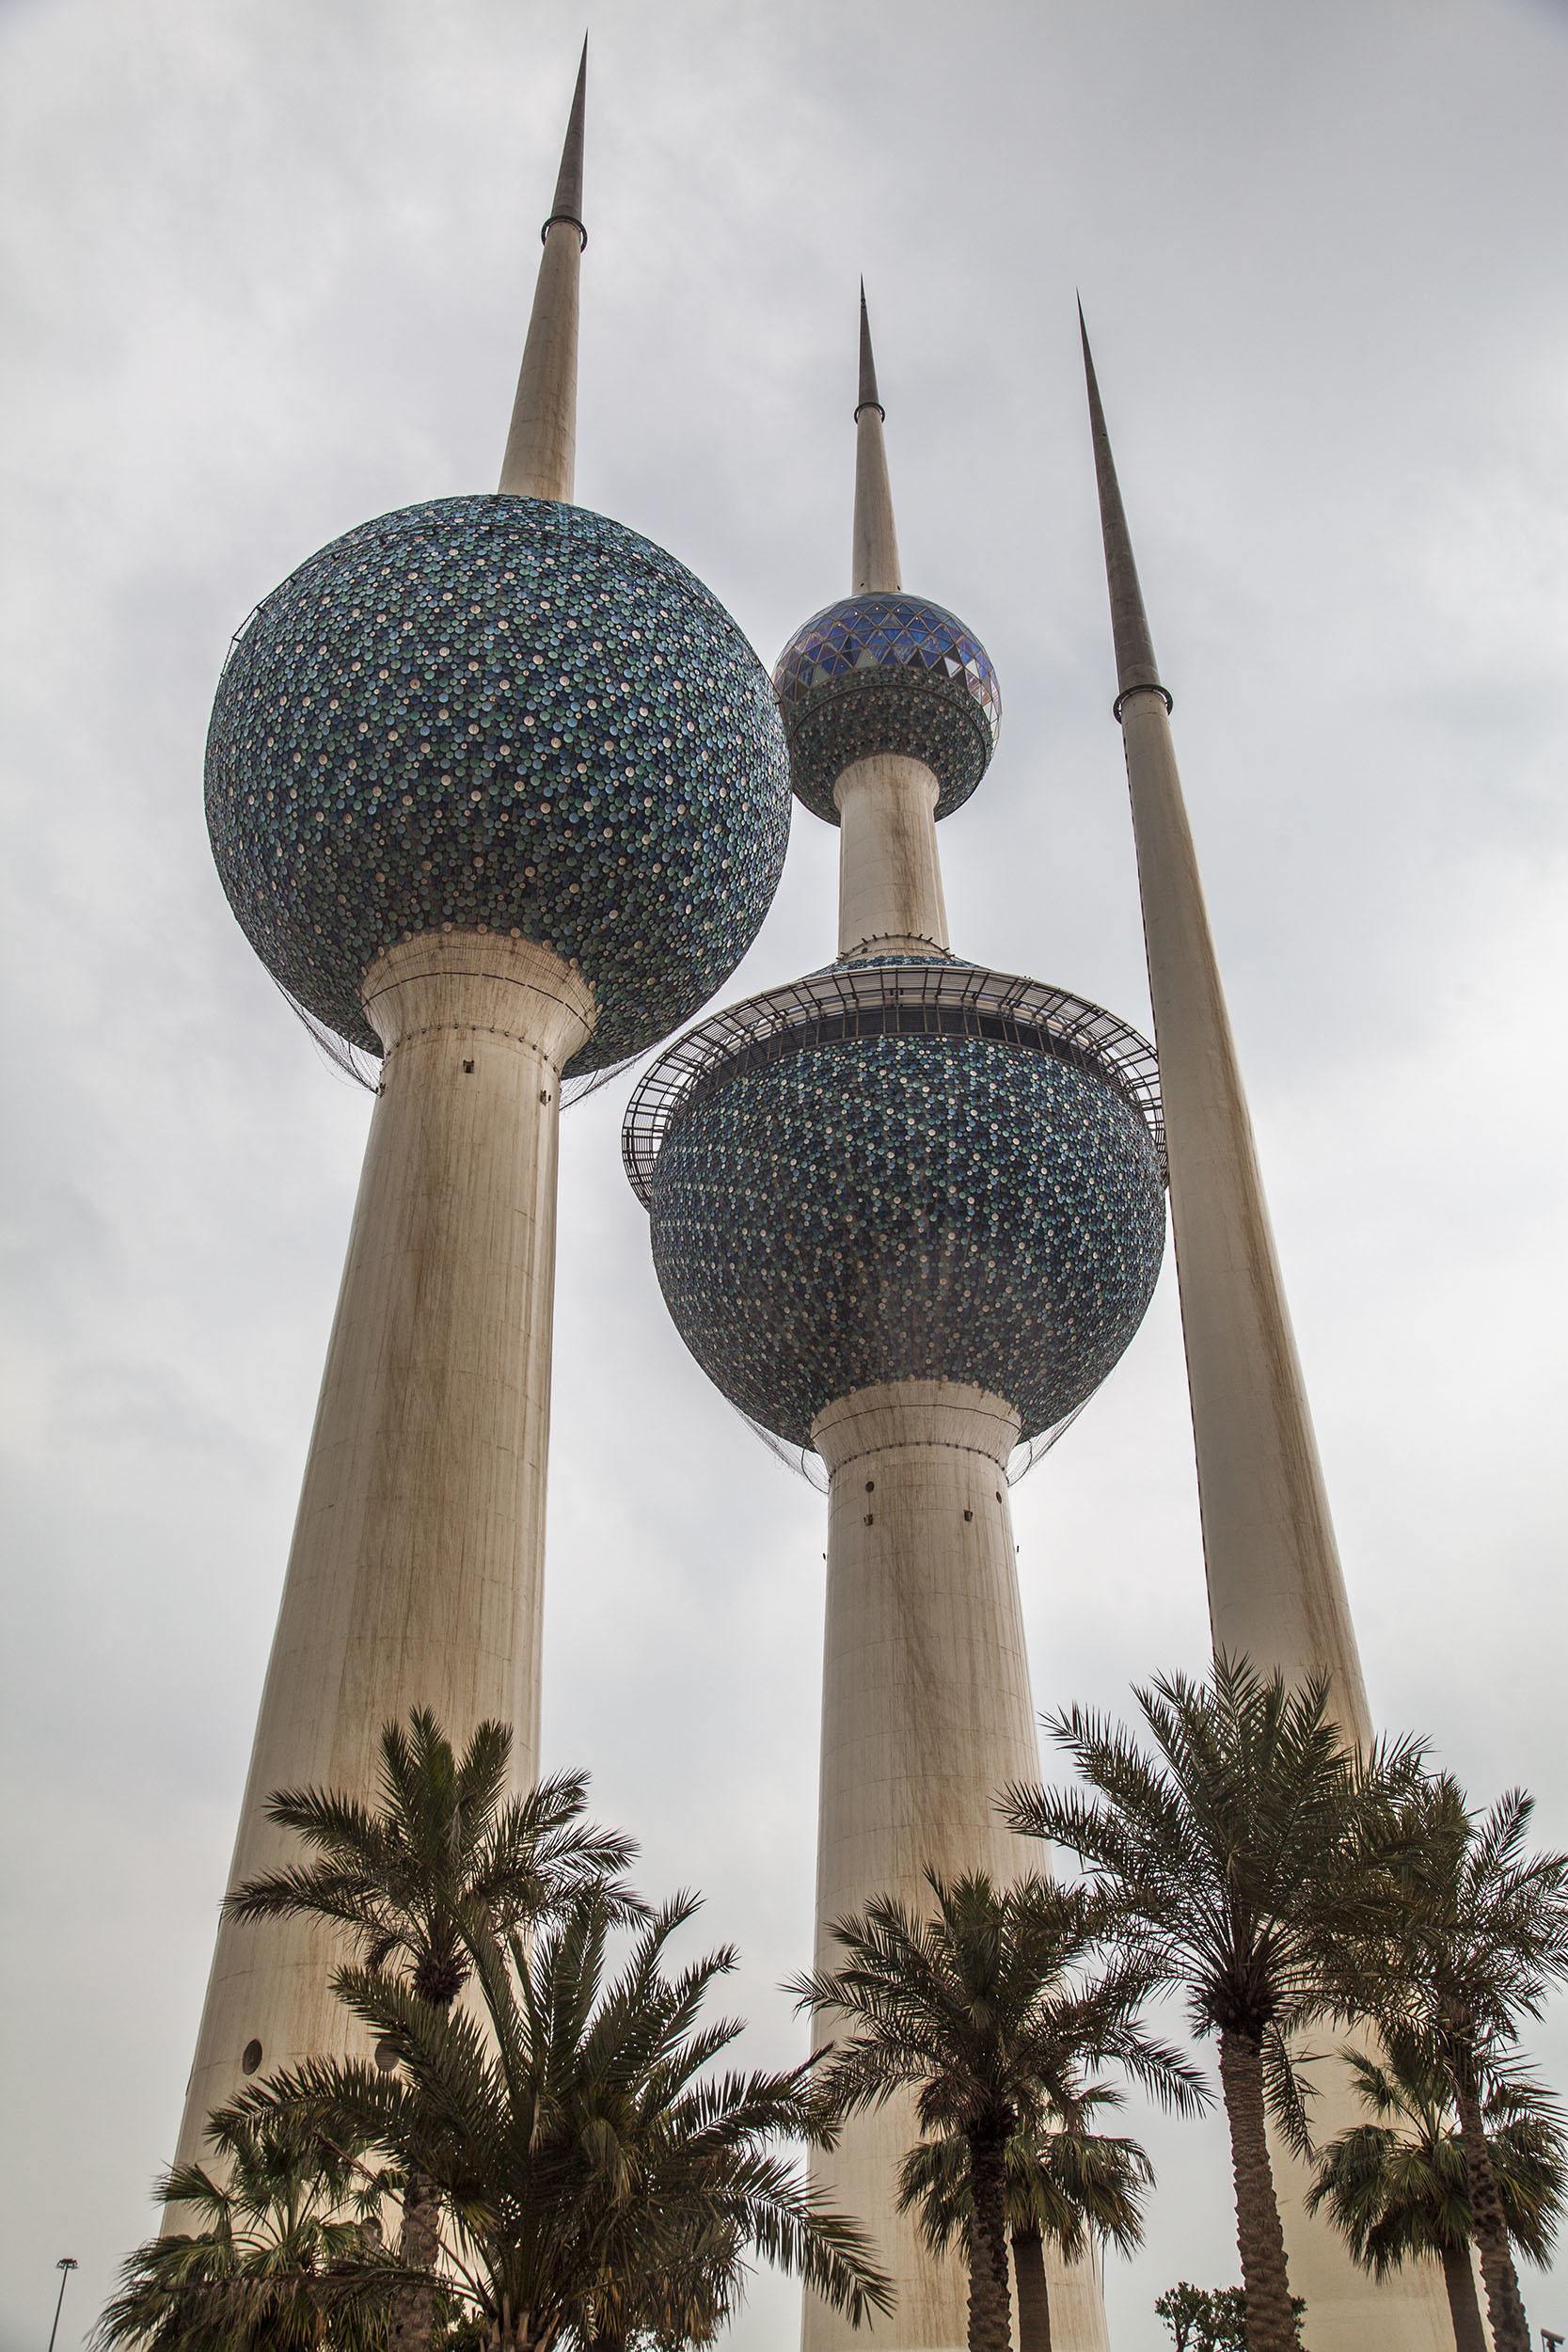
(1149,686)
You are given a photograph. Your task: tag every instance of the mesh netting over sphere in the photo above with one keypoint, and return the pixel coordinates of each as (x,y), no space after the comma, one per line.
(497,713)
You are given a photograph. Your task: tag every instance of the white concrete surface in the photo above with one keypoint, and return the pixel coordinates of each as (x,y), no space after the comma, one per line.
(416,1574)
(1276,1589)
(1276,1592)
(541,445)
(927,1714)
(874,562)
(890,896)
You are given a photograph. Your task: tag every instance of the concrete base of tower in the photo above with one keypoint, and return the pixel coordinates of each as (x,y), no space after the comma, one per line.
(416,1573)
(927,1715)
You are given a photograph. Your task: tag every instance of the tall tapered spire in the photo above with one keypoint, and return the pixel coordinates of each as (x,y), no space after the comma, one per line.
(869,396)
(540,444)
(1275,1588)
(1275,1591)
(568,184)
(1134,647)
(1276,1594)
(875,561)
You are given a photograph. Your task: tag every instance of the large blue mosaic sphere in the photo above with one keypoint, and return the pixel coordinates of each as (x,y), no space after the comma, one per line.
(887,672)
(499,713)
(863,1208)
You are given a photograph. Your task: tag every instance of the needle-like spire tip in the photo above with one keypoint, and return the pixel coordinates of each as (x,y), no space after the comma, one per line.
(867,397)
(874,564)
(540,444)
(1134,647)
(568,186)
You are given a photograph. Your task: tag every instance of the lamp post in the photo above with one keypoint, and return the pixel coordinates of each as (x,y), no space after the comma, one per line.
(66,2265)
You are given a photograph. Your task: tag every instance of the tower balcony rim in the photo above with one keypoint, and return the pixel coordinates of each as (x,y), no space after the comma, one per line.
(902,997)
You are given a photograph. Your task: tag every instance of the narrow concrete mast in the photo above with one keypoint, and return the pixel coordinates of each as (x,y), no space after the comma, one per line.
(1276,1592)
(925,1218)
(416,1574)
(890,896)
(926,1707)
(875,565)
(540,444)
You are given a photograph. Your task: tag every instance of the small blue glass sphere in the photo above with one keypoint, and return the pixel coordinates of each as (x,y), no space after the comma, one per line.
(887,674)
(499,713)
(853,1207)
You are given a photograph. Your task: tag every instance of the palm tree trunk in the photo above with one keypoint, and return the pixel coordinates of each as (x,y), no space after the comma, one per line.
(1271,2325)
(990,2312)
(1034,2295)
(507,2333)
(1504,2307)
(1464,2306)
(414,2304)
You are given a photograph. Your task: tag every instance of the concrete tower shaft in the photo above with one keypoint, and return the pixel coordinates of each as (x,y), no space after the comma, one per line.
(926,1712)
(416,1574)
(541,445)
(890,894)
(891,900)
(892,709)
(1276,1592)
(494,787)
(874,567)
(927,1709)
(900,1211)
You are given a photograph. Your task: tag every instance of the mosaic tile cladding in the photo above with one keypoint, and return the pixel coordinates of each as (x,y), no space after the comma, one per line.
(499,713)
(906,1206)
(887,674)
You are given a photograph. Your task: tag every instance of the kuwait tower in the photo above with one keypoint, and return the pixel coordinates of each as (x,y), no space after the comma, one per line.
(1276,1592)
(498,793)
(905,1212)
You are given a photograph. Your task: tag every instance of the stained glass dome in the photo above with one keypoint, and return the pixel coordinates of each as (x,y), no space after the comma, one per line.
(887,1173)
(887,672)
(498,713)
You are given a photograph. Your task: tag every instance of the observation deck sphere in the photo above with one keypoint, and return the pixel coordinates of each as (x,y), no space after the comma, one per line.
(506,714)
(887,672)
(905,1205)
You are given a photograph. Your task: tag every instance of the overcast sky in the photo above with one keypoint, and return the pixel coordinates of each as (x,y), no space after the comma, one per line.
(268,266)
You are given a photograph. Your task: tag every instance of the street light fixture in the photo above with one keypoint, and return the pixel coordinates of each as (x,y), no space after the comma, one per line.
(66,2265)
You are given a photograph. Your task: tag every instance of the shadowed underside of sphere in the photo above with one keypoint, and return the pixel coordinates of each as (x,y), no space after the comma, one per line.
(896,1206)
(498,713)
(887,672)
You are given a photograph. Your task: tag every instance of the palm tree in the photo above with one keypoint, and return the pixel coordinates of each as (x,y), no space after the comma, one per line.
(275,2260)
(1071,2184)
(1469,1935)
(448,1852)
(597,2179)
(1221,1856)
(446,1849)
(1397,2186)
(988,2010)
(694,2293)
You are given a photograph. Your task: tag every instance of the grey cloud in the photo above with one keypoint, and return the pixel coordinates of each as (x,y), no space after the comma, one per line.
(266,267)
